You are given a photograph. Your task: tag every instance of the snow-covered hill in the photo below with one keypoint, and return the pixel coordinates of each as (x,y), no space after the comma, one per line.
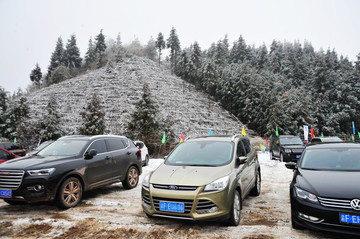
(120,87)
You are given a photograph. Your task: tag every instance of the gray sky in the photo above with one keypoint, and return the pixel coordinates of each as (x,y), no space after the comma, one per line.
(30,28)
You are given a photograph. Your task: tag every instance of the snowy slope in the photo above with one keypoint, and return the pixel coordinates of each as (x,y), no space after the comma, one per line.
(120,87)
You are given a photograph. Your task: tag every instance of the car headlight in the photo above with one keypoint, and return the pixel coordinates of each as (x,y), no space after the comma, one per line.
(305,195)
(217,185)
(288,151)
(145,182)
(41,172)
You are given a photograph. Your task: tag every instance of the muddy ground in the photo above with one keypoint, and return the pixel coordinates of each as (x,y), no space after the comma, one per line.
(113,212)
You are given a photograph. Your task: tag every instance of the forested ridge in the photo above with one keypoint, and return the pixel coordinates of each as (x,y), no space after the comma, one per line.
(285,85)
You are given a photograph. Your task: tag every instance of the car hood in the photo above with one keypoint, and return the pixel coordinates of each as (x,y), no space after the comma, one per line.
(187,175)
(331,184)
(34,161)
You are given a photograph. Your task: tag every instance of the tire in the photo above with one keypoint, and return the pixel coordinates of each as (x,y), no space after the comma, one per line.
(13,202)
(69,193)
(235,210)
(132,178)
(146,160)
(271,155)
(257,187)
(281,157)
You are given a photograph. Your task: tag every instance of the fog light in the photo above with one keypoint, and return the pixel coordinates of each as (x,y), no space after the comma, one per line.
(38,187)
(210,210)
(310,218)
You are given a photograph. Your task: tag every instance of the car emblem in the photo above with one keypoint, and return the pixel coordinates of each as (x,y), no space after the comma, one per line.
(355,204)
(173,187)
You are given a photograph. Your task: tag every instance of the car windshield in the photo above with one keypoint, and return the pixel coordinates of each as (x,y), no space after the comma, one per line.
(204,153)
(290,141)
(336,159)
(63,148)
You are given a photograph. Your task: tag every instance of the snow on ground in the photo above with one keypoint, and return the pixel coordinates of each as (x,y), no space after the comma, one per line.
(113,212)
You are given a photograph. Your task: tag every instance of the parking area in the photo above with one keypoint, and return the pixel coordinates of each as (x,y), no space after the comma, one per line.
(113,212)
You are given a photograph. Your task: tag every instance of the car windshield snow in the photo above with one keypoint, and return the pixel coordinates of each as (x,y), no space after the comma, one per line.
(339,159)
(290,141)
(205,153)
(63,148)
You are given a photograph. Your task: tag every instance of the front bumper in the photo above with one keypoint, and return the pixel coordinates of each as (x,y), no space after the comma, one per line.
(291,157)
(198,205)
(318,217)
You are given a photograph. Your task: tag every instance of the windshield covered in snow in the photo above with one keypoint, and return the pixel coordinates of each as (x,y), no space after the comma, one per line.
(64,148)
(290,141)
(204,153)
(335,159)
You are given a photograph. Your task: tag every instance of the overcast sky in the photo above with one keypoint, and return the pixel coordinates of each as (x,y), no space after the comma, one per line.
(30,28)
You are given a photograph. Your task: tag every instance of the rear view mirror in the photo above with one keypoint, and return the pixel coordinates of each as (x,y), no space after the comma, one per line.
(90,154)
(242,159)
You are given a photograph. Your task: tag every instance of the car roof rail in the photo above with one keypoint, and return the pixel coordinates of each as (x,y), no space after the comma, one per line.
(206,136)
(235,136)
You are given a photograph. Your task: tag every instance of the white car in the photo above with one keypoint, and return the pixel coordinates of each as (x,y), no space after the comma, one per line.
(144,152)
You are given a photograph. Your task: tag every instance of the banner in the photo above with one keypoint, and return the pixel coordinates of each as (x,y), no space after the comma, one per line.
(306,133)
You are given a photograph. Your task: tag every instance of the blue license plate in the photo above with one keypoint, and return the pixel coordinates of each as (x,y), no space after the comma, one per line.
(171,206)
(346,218)
(298,156)
(4,193)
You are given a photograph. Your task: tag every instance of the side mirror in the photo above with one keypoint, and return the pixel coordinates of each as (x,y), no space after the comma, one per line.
(291,165)
(242,160)
(90,154)
(166,157)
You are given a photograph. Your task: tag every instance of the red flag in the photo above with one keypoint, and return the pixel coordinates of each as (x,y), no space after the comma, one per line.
(267,142)
(312,132)
(344,138)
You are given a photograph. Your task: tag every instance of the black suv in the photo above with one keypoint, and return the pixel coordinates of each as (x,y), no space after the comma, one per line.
(286,147)
(69,166)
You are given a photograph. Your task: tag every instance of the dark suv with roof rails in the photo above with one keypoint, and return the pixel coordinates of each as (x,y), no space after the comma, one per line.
(286,147)
(69,166)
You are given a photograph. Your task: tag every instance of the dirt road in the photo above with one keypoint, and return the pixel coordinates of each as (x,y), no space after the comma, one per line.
(112,212)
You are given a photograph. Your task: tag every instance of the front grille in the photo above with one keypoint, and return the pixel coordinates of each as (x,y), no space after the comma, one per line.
(175,187)
(205,204)
(297,151)
(11,179)
(146,200)
(336,203)
(187,203)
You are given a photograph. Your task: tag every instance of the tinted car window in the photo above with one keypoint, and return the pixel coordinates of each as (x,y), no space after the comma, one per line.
(64,148)
(201,154)
(115,144)
(240,150)
(342,159)
(125,142)
(247,146)
(4,155)
(99,146)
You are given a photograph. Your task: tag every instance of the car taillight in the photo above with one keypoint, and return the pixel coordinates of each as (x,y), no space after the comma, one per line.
(139,150)
(24,150)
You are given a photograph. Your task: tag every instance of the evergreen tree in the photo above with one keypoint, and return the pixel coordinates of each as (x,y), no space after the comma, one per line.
(3,107)
(150,49)
(90,55)
(36,75)
(60,74)
(93,118)
(100,48)
(72,57)
(174,44)
(57,57)
(51,124)
(160,45)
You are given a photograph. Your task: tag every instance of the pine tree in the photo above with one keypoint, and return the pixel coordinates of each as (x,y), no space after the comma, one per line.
(72,57)
(3,107)
(174,44)
(93,118)
(51,124)
(160,45)
(57,57)
(90,55)
(100,48)
(36,75)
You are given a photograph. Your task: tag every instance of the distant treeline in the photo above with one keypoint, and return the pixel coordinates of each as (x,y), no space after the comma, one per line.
(288,85)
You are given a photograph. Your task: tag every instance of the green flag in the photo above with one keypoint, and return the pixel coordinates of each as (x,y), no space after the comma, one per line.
(277,131)
(322,135)
(359,134)
(15,141)
(164,138)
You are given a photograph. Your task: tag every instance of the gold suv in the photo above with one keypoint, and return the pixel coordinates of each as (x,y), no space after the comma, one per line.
(203,178)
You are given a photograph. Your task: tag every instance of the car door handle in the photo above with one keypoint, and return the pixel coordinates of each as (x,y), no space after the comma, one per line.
(107,158)
(128,153)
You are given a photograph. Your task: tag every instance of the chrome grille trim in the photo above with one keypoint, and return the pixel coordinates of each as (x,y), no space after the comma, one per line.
(297,150)
(169,187)
(205,204)
(146,200)
(187,203)
(11,179)
(335,203)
